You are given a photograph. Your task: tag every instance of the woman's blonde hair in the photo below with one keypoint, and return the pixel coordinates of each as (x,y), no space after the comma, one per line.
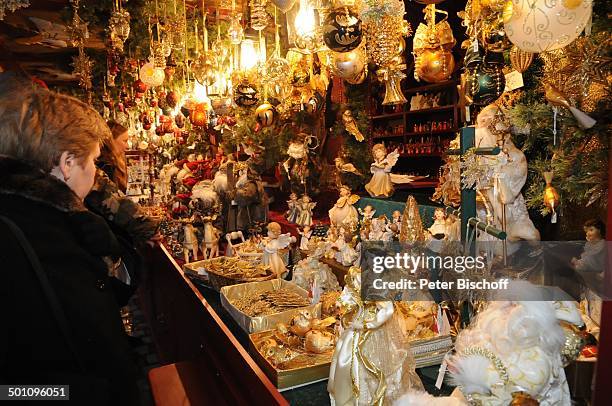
(39,125)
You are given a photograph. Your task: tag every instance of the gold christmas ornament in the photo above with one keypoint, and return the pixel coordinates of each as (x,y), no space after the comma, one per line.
(349,65)
(543,25)
(520,60)
(434,65)
(265,114)
(551,197)
(433,42)
(203,70)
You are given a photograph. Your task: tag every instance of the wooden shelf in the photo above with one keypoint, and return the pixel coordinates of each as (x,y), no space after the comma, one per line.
(418,184)
(452,130)
(389,115)
(425,88)
(433,155)
(388,136)
(430,110)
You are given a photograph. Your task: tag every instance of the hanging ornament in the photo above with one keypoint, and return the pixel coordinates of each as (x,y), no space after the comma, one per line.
(493,36)
(199,115)
(283,5)
(235,30)
(342,30)
(139,88)
(544,25)
(520,60)
(558,99)
(315,103)
(432,45)
(434,65)
(484,84)
(179,120)
(151,75)
(172,99)
(300,76)
(146,121)
(265,114)
(259,16)
(349,65)
(119,28)
(203,70)
(83,65)
(551,197)
(170,68)
(245,95)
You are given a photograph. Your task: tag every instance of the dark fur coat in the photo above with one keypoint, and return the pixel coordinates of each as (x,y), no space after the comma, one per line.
(71,243)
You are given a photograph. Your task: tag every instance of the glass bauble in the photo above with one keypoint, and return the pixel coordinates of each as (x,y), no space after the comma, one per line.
(151,75)
(342,30)
(434,65)
(349,65)
(545,25)
(265,114)
(484,84)
(245,95)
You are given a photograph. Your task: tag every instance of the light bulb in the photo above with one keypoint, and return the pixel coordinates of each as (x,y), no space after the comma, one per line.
(305,19)
(248,55)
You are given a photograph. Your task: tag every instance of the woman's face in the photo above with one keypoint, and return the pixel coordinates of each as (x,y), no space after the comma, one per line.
(79,176)
(120,144)
(379,153)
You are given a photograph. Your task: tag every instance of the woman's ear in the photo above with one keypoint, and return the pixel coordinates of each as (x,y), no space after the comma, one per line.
(66,164)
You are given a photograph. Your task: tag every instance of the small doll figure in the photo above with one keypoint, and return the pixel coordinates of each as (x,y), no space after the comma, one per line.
(396,218)
(346,254)
(306,233)
(276,241)
(377,230)
(593,258)
(367,213)
(438,228)
(391,232)
(305,207)
(292,214)
(343,211)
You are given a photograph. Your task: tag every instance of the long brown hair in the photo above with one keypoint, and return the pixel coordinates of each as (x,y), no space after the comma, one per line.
(108,155)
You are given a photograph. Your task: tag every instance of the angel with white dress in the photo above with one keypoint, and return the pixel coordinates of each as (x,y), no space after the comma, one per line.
(276,241)
(381,184)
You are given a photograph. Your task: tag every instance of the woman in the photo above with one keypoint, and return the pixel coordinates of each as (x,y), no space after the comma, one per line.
(112,156)
(61,322)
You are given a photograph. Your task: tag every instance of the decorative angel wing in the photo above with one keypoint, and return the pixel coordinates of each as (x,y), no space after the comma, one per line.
(284,240)
(391,159)
(353,199)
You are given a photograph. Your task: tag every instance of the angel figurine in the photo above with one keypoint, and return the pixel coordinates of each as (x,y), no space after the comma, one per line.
(293,212)
(276,241)
(380,185)
(343,211)
(305,207)
(306,233)
(372,363)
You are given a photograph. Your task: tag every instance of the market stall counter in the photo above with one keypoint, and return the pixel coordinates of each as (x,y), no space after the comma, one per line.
(189,325)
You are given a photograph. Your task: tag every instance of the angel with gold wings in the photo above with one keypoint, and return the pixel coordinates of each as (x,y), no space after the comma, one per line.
(381,184)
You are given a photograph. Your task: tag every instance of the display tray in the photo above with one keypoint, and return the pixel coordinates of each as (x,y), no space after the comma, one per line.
(268,322)
(204,272)
(431,351)
(291,378)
